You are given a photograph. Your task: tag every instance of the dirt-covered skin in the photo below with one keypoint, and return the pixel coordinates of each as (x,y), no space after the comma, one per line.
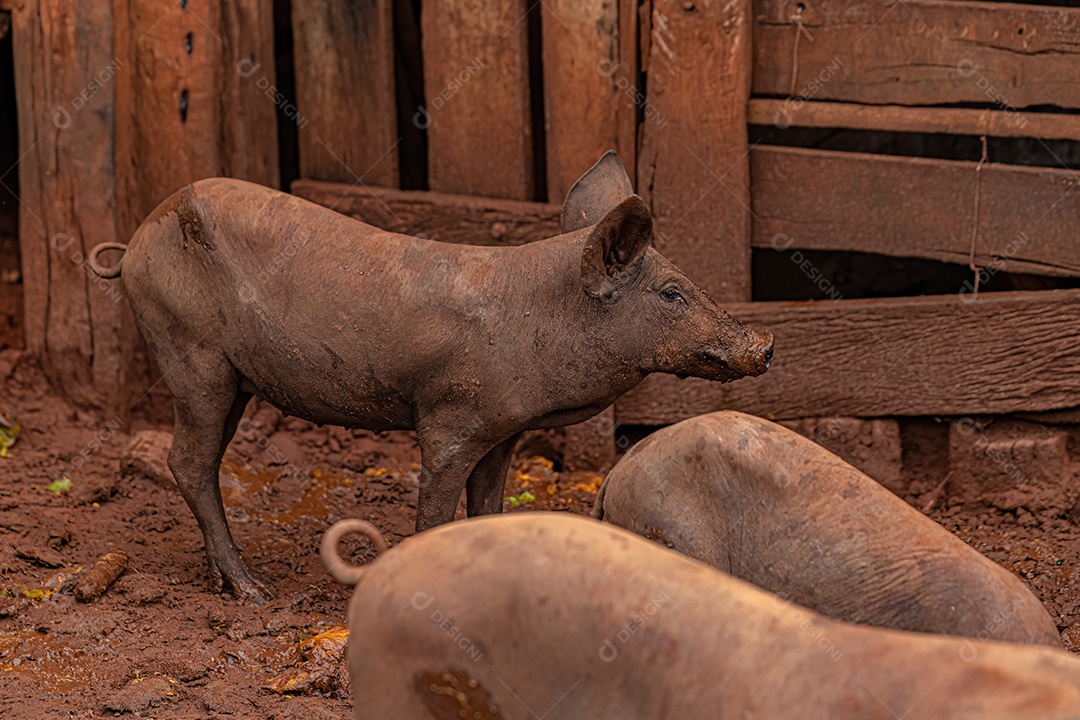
(767,505)
(241,290)
(581,619)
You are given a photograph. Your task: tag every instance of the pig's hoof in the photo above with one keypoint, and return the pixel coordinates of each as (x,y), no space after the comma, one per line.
(240,583)
(248,589)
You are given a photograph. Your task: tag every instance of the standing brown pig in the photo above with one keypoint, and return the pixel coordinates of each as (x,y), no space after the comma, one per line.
(767,505)
(241,290)
(550,615)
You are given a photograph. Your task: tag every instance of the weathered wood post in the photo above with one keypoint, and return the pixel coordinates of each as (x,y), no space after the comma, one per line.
(591,106)
(120,104)
(65,72)
(694,165)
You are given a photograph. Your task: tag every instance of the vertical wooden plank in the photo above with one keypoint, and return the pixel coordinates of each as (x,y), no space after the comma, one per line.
(121,103)
(345,90)
(694,167)
(123,140)
(590,106)
(28,35)
(248,92)
(583,71)
(626,116)
(476,85)
(590,86)
(195,98)
(168,132)
(64,74)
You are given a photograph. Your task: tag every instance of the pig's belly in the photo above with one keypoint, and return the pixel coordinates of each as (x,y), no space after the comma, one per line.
(325,392)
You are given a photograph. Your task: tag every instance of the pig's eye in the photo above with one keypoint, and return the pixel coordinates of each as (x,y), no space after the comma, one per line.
(670,294)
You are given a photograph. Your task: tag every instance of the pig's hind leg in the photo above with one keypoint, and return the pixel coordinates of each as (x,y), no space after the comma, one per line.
(484,489)
(208,407)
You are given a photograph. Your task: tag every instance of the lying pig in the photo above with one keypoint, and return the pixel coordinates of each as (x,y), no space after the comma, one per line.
(767,505)
(241,290)
(553,615)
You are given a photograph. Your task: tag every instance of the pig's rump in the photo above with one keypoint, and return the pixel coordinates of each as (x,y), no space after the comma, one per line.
(771,507)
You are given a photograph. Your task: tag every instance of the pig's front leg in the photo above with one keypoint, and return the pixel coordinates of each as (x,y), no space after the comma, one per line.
(484,490)
(447,462)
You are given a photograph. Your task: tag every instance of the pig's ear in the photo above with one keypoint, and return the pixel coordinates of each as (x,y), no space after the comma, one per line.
(615,248)
(596,193)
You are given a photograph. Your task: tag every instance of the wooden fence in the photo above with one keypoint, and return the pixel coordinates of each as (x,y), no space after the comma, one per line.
(673,86)
(709,71)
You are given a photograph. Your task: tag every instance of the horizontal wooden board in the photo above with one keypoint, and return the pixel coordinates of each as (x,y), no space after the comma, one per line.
(441,216)
(919,52)
(916,207)
(942,355)
(898,118)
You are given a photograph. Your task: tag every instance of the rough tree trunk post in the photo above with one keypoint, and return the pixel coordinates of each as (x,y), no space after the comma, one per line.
(120,104)
(80,326)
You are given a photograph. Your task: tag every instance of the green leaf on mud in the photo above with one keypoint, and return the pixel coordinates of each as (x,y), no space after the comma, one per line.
(525,497)
(60,486)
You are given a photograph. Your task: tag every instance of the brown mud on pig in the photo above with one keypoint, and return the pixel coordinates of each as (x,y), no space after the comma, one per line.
(767,505)
(553,615)
(241,290)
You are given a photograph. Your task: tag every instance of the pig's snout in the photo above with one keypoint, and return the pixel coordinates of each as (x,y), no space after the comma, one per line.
(752,359)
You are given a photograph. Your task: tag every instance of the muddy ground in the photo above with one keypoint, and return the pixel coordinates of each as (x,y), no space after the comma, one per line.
(159,644)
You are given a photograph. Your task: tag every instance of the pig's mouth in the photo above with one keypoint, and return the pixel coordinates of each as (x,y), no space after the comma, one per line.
(719,369)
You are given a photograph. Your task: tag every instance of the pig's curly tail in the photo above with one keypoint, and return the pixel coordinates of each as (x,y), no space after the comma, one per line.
(346,573)
(100,270)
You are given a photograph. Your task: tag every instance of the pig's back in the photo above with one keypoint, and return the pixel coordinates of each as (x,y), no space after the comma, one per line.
(326,317)
(774,508)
